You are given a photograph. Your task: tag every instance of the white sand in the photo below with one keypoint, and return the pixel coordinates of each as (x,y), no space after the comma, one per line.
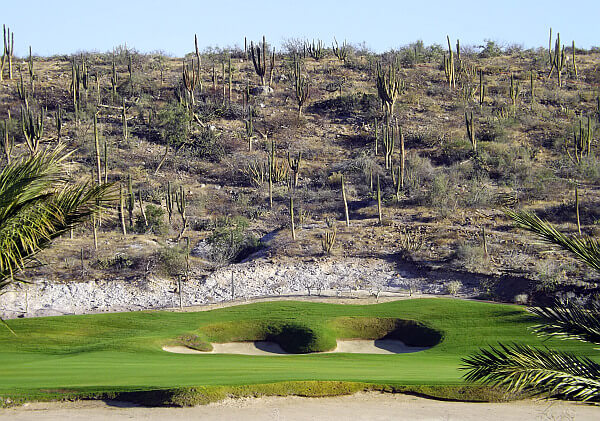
(370,406)
(357,346)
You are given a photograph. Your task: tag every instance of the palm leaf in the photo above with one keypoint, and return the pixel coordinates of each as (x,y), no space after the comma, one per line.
(568,320)
(37,204)
(524,368)
(585,249)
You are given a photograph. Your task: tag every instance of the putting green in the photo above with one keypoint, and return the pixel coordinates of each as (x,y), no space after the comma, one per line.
(123,351)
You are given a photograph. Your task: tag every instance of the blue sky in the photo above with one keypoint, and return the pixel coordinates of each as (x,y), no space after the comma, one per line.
(58,27)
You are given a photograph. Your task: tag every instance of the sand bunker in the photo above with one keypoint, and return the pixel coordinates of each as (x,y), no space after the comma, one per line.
(356,346)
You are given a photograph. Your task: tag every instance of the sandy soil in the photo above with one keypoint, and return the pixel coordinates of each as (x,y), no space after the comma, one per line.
(380,346)
(362,406)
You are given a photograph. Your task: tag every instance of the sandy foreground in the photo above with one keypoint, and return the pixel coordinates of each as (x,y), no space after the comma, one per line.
(362,406)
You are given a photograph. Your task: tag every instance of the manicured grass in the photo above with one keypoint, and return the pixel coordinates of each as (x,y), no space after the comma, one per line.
(122,352)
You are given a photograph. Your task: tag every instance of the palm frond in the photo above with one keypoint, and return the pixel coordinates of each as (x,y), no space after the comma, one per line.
(24,234)
(26,180)
(585,249)
(37,204)
(525,368)
(567,320)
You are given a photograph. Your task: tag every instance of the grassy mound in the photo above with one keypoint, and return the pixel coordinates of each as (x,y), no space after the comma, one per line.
(293,337)
(410,332)
(298,338)
(195,342)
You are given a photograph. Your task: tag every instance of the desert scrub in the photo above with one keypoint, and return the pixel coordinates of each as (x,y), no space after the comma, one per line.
(207,144)
(455,150)
(351,105)
(453,287)
(230,241)
(442,195)
(471,257)
(170,261)
(172,123)
(117,262)
(154,222)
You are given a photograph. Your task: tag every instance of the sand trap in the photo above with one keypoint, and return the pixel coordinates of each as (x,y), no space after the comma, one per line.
(361,406)
(356,346)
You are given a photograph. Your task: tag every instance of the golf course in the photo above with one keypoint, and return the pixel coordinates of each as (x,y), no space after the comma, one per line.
(121,354)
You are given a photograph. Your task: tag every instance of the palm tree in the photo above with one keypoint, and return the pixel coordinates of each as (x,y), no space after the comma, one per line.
(526,368)
(37,204)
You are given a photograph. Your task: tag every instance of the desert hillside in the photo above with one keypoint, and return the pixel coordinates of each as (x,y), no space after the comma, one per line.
(319,152)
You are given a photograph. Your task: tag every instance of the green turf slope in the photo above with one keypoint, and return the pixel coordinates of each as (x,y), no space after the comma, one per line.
(122,351)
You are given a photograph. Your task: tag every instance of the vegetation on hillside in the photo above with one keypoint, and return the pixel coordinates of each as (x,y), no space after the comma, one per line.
(431,142)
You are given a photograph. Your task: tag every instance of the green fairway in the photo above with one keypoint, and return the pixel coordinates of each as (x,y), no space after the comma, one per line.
(122,351)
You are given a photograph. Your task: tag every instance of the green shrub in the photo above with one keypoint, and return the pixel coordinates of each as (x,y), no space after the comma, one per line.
(207,145)
(491,49)
(471,257)
(155,216)
(118,261)
(171,261)
(442,195)
(173,123)
(230,240)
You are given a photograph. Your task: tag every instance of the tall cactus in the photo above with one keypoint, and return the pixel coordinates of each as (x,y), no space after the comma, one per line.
(481,89)
(190,80)
(122,210)
(32,75)
(402,168)
(379,211)
(471,131)
(129,66)
(292,224)
(301,86)
(7,55)
(7,141)
(105,166)
(58,122)
(114,78)
(575,72)
(449,66)
(514,92)
(124,120)
(259,59)
(388,136)
(376,139)
(249,125)
(97,149)
(582,142)
(21,88)
(346,213)
(181,202)
(389,86)
(316,49)
(328,240)
(76,88)
(130,200)
(295,167)
(169,201)
(531,89)
(557,60)
(33,128)
(341,52)
(230,77)
(198,62)
(271,173)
